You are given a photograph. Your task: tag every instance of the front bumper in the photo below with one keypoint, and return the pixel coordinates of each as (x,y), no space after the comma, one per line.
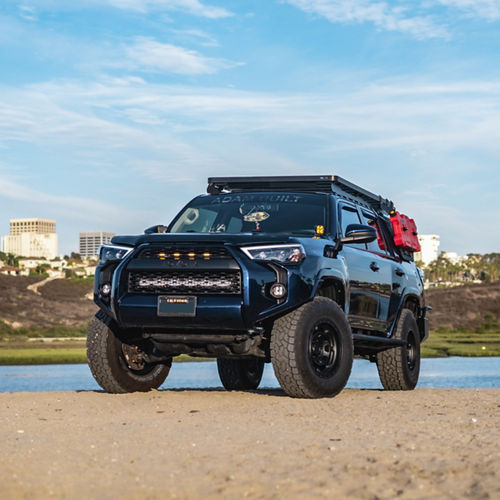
(240,312)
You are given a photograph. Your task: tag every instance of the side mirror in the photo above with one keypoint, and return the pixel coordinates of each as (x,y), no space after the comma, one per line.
(155,229)
(359,233)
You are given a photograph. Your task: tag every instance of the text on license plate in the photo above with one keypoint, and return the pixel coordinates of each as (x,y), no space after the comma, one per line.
(176,306)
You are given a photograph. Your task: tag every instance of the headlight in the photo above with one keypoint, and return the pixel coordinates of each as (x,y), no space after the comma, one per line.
(110,252)
(287,254)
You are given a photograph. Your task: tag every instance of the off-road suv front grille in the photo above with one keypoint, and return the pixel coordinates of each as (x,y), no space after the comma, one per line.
(184,253)
(197,282)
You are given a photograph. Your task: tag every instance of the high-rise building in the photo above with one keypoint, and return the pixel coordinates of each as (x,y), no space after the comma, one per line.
(31,238)
(90,242)
(430,248)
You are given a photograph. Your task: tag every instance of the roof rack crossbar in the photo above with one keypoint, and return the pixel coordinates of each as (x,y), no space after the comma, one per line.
(304,183)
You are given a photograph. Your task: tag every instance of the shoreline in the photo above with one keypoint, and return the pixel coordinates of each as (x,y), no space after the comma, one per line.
(67,350)
(212,443)
(51,356)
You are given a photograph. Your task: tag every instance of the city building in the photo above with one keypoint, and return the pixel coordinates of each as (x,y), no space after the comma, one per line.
(453,257)
(31,238)
(32,226)
(429,248)
(90,242)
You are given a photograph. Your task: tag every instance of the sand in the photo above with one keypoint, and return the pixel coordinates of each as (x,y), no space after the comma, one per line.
(212,444)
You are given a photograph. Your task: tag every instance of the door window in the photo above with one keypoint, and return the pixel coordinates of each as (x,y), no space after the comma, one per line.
(350,216)
(371,220)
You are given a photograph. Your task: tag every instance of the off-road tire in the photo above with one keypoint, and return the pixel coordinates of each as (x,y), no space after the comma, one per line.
(240,374)
(399,368)
(108,366)
(304,340)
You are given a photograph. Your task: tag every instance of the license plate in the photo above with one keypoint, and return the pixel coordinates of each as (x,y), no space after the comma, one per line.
(176,306)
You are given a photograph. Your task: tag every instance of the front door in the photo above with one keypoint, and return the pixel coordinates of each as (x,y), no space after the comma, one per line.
(367,274)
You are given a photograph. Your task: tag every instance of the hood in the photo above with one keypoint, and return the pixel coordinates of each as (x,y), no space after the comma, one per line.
(238,239)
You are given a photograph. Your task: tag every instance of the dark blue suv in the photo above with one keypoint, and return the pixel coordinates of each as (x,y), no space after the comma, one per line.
(302,272)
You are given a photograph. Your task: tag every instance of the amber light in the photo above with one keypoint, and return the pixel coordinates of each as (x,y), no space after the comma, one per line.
(207,255)
(177,255)
(191,255)
(162,256)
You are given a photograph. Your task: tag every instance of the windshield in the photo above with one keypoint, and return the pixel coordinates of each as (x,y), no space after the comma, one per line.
(253,212)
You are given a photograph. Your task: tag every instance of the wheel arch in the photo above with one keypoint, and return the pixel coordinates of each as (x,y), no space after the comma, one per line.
(332,287)
(413,302)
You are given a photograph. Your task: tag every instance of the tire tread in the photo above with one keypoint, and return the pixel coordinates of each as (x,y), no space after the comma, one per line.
(391,363)
(283,343)
(97,354)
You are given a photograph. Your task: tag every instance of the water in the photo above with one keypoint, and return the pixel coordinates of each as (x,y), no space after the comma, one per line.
(436,373)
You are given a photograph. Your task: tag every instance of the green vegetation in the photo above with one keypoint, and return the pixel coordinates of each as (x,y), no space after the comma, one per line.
(86,281)
(59,352)
(475,267)
(9,333)
(40,270)
(17,349)
(483,341)
(42,356)
(9,259)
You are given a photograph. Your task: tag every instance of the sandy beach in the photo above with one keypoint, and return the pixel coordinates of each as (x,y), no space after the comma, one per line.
(193,444)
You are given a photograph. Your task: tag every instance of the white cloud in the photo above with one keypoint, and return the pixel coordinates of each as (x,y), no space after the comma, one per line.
(194,7)
(486,9)
(404,114)
(147,54)
(155,144)
(27,12)
(421,19)
(79,208)
(381,14)
(198,36)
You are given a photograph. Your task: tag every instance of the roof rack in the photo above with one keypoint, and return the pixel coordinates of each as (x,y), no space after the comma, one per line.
(304,183)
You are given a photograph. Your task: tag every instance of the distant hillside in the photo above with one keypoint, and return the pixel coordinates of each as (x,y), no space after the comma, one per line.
(464,306)
(64,302)
(61,302)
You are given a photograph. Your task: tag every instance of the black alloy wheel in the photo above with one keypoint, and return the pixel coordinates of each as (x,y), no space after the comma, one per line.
(323,349)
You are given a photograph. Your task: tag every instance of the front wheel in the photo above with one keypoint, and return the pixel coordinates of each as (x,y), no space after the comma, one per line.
(312,350)
(399,368)
(119,367)
(240,374)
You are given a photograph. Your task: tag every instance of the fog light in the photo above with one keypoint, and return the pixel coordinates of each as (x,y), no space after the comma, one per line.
(106,289)
(278,290)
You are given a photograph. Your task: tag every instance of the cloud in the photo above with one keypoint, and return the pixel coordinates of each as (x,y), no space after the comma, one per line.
(381,14)
(486,9)
(155,144)
(27,12)
(427,21)
(82,209)
(113,112)
(147,54)
(194,7)
(198,36)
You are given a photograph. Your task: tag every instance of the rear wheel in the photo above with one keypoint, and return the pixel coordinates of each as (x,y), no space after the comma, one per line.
(399,368)
(312,350)
(240,374)
(119,367)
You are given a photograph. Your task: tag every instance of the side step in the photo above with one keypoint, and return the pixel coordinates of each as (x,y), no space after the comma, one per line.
(378,343)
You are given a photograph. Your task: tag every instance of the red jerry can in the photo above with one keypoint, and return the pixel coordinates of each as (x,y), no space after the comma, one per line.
(405,232)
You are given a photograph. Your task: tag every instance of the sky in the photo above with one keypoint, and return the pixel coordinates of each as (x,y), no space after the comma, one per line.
(113,113)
